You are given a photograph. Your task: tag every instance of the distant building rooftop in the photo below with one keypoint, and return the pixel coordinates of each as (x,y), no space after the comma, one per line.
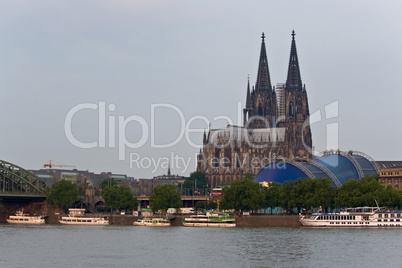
(389,164)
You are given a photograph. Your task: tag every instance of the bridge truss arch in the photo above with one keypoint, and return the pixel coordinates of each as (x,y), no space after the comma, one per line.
(16,181)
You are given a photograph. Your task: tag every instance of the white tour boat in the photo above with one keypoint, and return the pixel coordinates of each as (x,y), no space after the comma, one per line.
(355,217)
(210,219)
(152,222)
(76,217)
(21,218)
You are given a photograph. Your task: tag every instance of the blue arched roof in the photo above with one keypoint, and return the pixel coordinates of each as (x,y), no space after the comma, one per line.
(366,166)
(339,167)
(279,172)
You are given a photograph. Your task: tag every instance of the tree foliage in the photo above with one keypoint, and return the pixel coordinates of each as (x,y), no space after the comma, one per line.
(271,195)
(242,195)
(164,197)
(306,193)
(364,192)
(63,194)
(197,180)
(107,183)
(309,193)
(201,205)
(119,197)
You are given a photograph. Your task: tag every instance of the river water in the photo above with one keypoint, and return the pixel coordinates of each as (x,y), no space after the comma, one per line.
(136,246)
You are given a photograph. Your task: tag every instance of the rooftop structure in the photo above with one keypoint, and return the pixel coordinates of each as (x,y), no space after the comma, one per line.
(336,165)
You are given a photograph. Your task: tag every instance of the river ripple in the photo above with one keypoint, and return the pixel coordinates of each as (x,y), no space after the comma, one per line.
(134,246)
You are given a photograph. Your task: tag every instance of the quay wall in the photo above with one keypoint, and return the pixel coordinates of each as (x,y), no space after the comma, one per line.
(257,220)
(264,220)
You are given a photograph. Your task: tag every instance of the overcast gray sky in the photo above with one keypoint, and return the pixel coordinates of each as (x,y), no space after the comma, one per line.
(194,56)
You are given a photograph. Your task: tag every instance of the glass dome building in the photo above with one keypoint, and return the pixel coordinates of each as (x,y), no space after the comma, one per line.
(336,165)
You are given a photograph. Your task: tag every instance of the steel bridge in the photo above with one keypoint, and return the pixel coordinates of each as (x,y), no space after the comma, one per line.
(18,183)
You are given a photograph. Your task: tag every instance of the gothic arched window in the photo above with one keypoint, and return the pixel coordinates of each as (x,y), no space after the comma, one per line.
(260,109)
(291,109)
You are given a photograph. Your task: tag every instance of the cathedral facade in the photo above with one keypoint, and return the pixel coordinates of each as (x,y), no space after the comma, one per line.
(275,126)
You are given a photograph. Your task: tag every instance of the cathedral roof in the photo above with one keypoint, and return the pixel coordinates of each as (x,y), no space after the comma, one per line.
(258,135)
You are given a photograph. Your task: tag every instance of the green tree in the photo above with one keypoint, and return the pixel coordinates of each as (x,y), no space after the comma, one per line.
(164,197)
(364,192)
(323,194)
(119,197)
(306,193)
(203,205)
(242,195)
(63,194)
(196,181)
(107,183)
(271,195)
(285,198)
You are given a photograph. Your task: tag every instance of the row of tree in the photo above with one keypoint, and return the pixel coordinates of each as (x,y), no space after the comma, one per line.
(246,195)
(65,194)
(309,193)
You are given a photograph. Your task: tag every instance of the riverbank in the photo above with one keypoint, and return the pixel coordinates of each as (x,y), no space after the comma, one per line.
(256,220)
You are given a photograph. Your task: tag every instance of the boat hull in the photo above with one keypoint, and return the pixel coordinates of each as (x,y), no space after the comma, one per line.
(209,221)
(155,222)
(152,224)
(83,221)
(206,224)
(33,222)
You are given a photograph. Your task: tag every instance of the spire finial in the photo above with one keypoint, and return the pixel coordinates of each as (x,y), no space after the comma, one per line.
(263,36)
(293,34)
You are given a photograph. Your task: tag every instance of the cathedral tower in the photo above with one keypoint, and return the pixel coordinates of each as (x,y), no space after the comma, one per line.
(260,109)
(276,125)
(296,119)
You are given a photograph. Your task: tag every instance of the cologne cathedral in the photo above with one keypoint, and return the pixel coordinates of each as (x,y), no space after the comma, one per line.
(276,126)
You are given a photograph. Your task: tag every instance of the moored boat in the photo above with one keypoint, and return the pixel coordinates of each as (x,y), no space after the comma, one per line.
(161,222)
(355,217)
(210,219)
(21,218)
(76,217)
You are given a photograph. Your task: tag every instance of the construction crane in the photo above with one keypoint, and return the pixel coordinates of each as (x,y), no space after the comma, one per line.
(50,165)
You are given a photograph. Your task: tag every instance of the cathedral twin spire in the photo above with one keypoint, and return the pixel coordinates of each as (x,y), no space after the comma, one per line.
(262,100)
(293,80)
(263,79)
